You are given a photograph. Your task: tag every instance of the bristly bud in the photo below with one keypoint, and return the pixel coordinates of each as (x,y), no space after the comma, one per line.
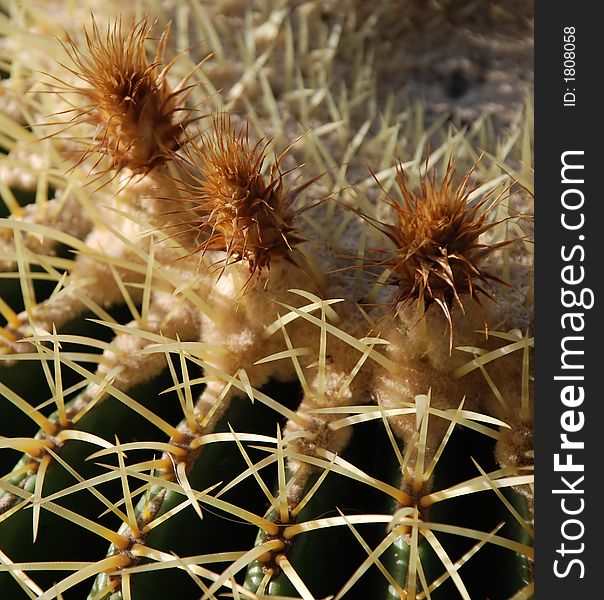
(438,256)
(139,120)
(241,211)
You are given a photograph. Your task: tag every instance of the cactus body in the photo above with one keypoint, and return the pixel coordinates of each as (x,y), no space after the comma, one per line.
(259,339)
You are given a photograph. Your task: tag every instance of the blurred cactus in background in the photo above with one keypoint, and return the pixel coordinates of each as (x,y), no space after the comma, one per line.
(267,300)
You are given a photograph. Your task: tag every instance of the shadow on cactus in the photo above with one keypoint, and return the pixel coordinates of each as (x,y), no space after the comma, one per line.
(202,397)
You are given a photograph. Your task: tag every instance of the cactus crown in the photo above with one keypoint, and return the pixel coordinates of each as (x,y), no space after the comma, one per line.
(438,256)
(241,211)
(127,98)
